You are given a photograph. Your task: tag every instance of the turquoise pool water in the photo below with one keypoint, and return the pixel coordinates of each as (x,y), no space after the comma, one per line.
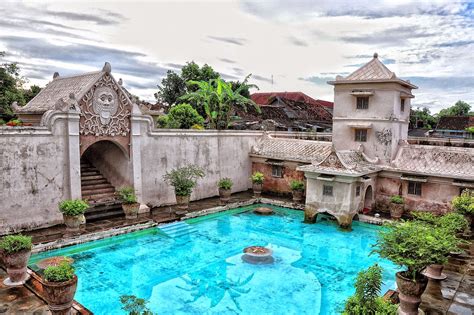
(202,272)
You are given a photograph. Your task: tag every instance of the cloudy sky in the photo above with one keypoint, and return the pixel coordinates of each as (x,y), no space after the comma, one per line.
(286,45)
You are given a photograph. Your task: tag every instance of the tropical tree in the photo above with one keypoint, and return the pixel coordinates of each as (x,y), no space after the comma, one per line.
(181,116)
(219,100)
(461,108)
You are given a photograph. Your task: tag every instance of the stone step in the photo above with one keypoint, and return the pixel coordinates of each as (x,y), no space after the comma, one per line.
(88,173)
(104,210)
(104,215)
(98,191)
(89,177)
(94,182)
(93,187)
(102,196)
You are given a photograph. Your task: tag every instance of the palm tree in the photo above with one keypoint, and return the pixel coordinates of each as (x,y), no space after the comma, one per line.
(220,100)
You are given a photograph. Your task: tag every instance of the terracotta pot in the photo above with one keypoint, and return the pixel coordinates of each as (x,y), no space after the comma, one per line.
(73,222)
(60,295)
(410,293)
(16,267)
(182,202)
(297,195)
(435,272)
(396,210)
(224,194)
(257,190)
(130,210)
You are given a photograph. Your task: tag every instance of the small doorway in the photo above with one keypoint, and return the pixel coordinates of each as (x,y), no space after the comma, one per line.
(368,199)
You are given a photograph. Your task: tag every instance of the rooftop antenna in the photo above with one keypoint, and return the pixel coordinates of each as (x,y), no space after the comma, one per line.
(272,81)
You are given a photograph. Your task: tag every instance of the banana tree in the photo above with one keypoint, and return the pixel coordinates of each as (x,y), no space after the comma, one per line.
(219,100)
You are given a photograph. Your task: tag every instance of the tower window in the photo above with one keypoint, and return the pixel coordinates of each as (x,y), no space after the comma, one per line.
(327,190)
(276,171)
(361,135)
(414,188)
(362,102)
(357,190)
(402,105)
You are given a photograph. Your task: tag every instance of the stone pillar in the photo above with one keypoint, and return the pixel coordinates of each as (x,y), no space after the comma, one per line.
(310,215)
(136,159)
(74,155)
(345,221)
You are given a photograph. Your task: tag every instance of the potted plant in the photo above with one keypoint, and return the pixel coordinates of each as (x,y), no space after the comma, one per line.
(257,183)
(413,245)
(130,205)
(297,188)
(183,179)
(16,253)
(464,204)
(225,189)
(396,207)
(73,213)
(59,287)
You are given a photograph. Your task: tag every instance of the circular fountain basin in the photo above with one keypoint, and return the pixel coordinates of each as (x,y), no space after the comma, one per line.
(257,255)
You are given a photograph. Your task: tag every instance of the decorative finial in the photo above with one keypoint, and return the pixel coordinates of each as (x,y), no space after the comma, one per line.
(107,68)
(376,55)
(120,82)
(55,75)
(72,96)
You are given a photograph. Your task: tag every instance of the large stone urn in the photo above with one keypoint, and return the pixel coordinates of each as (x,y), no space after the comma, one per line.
(396,210)
(410,292)
(73,222)
(435,272)
(257,189)
(16,264)
(130,210)
(224,195)
(182,202)
(60,295)
(297,195)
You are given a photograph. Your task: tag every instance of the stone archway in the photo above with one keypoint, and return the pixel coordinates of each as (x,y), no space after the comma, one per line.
(105,167)
(369,198)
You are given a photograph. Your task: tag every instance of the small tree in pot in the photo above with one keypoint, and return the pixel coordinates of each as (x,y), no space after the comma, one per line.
(414,246)
(257,183)
(16,253)
(183,179)
(396,207)
(73,213)
(464,204)
(225,189)
(59,286)
(297,188)
(130,205)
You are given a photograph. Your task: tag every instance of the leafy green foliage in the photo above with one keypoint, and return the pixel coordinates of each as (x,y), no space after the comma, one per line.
(184,179)
(225,183)
(415,245)
(183,116)
(257,178)
(134,305)
(464,203)
(422,118)
(60,273)
(297,185)
(219,101)
(127,195)
(470,129)
(452,222)
(15,243)
(366,299)
(73,207)
(461,108)
(397,199)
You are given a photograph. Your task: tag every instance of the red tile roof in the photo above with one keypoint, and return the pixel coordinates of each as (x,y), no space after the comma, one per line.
(455,122)
(265,98)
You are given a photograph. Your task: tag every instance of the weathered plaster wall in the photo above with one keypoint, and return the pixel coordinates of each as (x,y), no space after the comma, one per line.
(220,153)
(279,185)
(34,177)
(436,193)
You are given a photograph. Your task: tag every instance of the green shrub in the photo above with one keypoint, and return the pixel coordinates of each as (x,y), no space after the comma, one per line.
(415,245)
(297,185)
(257,178)
(184,179)
(183,116)
(15,243)
(464,204)
(134,305)
(453,222)
(366,299)
(397,199)
(60,273)
(225,183)
(127,195)
(197,127)
(2,122)
(73,207)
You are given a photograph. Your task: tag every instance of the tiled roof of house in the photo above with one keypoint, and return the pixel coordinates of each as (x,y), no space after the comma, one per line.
(60,88)
(345,162)
(291,149)
(266,98)
(451,162)
(455,122)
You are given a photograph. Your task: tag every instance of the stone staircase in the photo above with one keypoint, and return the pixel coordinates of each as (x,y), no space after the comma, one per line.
(177,229)
(99,193)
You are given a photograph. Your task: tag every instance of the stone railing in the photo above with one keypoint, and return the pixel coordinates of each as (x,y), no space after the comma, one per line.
(447,142)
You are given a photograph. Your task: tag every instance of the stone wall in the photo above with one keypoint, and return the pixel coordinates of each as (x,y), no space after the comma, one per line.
(278,185)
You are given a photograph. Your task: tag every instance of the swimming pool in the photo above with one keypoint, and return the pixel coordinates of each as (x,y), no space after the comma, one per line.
(196,267)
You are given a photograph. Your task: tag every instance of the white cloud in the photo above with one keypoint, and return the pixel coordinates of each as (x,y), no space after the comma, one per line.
(298,43)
